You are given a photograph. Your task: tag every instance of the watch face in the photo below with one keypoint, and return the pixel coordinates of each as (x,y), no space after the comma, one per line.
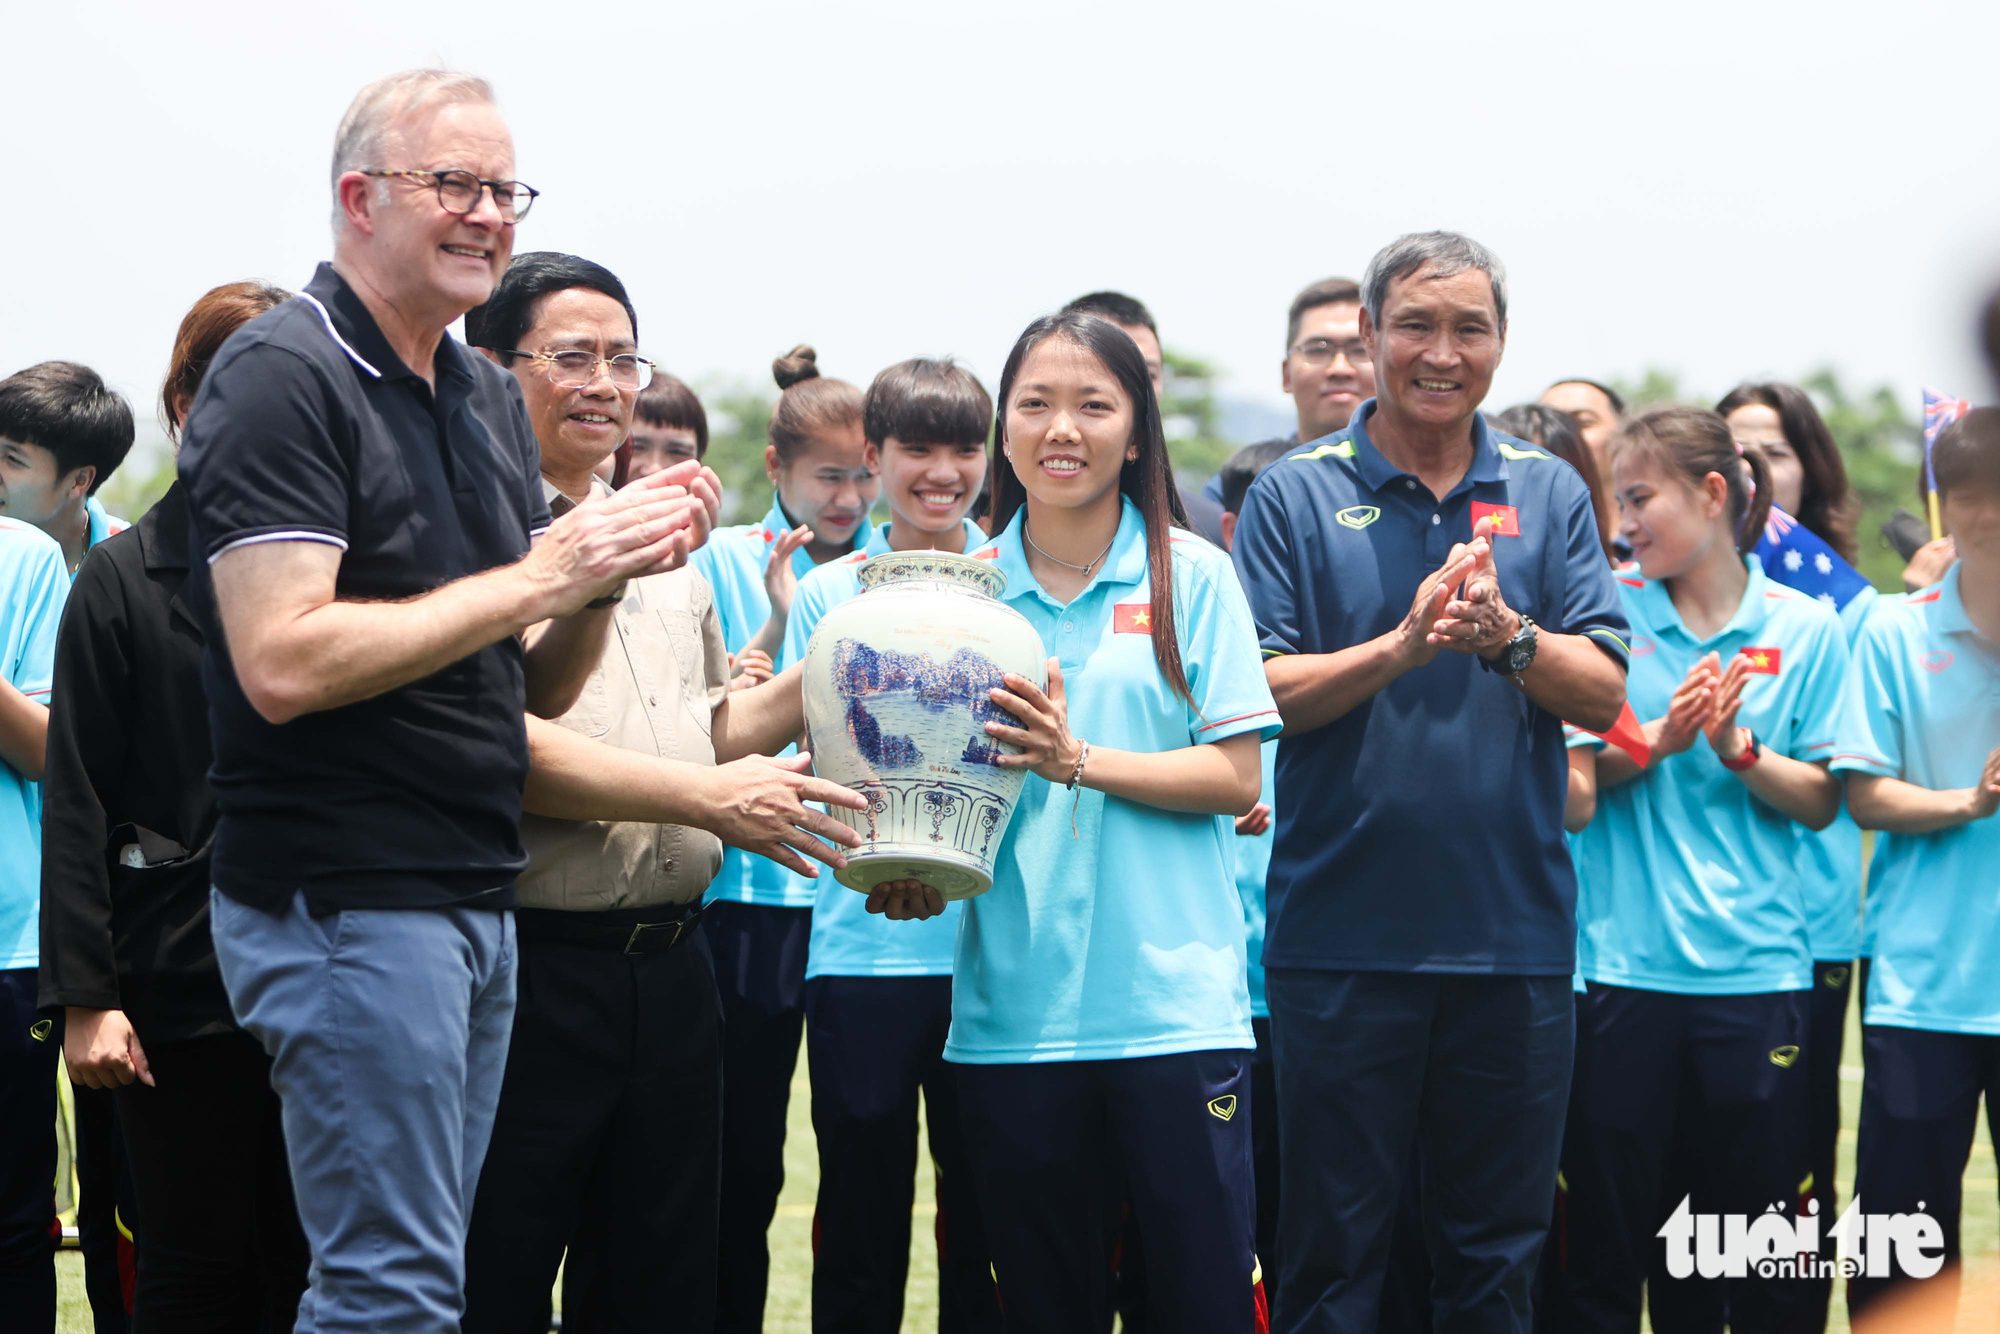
(1521,650)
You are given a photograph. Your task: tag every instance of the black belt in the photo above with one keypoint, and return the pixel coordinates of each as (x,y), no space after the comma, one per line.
(626,930)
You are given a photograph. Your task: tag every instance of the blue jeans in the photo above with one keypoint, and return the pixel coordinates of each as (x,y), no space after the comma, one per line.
(388,1035)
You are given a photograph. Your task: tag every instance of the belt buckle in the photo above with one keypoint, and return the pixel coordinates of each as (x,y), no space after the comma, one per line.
(638,933)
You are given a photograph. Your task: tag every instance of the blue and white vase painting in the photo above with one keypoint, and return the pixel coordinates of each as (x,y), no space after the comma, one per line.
(896,703)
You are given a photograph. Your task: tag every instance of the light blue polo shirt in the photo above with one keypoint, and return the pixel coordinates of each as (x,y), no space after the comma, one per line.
(1253,866)
(1833,855)
(33,587)
(733,561)
(1689,882)
(847,939)
(102,524)
(1124,938)
(1923,705)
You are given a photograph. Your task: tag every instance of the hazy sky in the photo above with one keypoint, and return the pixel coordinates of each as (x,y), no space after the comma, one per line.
(1725,190)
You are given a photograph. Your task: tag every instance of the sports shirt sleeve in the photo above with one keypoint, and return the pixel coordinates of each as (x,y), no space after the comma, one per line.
(34,614)
(1264,566)
(808,606)
(1816,717)
(1870,734)
(1219,653)
(1590,595)
(261,460)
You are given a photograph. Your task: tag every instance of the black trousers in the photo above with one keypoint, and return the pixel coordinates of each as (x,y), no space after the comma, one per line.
(106,1210)
(1134,1299)
(1919,1113)
(1691,1306)
(604,1145)
(872,1043)
(223,1250)
(1723,1074)
(28,1228)
(1468,1075)
(760,971)
(1052,1142)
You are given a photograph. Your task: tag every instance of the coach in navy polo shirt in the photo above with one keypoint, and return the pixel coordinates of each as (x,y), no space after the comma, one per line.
(1433,604)
(391,594)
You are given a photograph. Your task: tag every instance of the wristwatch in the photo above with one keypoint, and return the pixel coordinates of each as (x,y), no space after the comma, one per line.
(1753,751)
(611,599)
(1517,654)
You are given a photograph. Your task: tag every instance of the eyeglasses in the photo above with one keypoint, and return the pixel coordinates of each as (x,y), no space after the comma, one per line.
(1322,351)
(458,191)
(575,369)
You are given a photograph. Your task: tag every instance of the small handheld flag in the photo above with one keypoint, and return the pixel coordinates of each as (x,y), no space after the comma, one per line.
(1629,735)
(1940,411)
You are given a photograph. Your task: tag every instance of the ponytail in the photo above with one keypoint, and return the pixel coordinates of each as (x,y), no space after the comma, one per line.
(1692,443)
(1758,512)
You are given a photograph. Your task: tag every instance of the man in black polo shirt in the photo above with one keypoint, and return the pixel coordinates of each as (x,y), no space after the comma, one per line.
(1433,603)
(390,594)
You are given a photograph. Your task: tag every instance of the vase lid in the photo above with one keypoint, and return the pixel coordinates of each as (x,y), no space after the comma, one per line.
(897,566)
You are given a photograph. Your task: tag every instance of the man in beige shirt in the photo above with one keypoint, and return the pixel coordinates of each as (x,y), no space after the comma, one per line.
(606,1141)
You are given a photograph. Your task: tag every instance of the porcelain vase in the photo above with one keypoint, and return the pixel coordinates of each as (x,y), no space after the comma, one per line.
(896,706)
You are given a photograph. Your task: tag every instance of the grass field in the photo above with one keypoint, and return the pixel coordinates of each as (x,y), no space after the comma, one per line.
(789,1311)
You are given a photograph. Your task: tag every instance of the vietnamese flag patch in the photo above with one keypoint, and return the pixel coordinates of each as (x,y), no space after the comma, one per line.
(1764,661)
(1506,520)
(1132,618)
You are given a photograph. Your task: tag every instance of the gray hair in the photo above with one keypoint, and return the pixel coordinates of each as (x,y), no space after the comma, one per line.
(358,144)
(1445,254)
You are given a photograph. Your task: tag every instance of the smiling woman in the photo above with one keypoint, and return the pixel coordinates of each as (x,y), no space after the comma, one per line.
(1113,930)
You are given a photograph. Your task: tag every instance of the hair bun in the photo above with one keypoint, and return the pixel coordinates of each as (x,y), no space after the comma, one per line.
(801,363)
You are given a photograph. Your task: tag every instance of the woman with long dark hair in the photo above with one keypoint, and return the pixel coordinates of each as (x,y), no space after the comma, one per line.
(1808,479)
(1100,1014)
(128,816)
(1692,928)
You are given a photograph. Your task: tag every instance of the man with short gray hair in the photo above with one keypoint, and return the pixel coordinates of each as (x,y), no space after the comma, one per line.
(1433,603)
(387,594)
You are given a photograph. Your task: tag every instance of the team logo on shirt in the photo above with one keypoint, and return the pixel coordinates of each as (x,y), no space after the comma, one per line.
(1132,618)
(1764,661)
(1935,661)
(1784,1057)
(1642,646)
(1357,516)
(1506,519)
(1222,1108)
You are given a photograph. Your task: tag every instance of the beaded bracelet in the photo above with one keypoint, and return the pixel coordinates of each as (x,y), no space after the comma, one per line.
(1075,780)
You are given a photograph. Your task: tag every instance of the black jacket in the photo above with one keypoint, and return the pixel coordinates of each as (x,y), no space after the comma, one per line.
(128,766)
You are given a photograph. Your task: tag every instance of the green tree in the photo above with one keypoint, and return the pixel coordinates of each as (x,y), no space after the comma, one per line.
(141,479)
(1189,415)
(1881,444)
(737,420)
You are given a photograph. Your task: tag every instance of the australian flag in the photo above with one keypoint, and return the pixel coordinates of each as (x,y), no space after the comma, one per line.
(1797,558)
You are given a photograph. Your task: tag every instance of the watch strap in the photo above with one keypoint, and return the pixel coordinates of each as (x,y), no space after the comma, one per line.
(1753,751)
